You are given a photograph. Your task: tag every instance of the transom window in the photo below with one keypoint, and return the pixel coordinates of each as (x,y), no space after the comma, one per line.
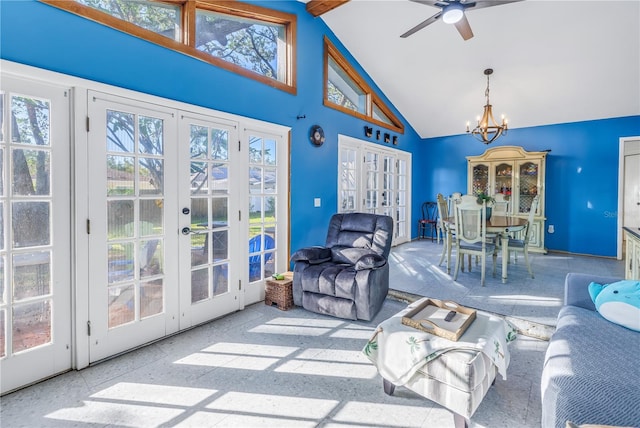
(346,90)
(253,41)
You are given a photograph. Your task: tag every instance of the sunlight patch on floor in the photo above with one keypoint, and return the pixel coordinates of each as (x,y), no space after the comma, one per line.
(283,406)
(117,414)
(154,394)
(306,322)
(340,355)
(250,349)
(329,368)
(378,414)
(523,299)
(290,330)
(228,361)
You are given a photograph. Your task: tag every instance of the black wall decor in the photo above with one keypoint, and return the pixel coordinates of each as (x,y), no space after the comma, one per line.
(368,131)
(395,140)
(387,137)
(378,134)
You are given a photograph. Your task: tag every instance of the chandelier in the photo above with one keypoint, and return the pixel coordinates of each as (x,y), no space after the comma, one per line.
(488,130)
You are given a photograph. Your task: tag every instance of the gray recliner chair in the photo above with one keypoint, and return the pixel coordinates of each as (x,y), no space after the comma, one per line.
(349,276)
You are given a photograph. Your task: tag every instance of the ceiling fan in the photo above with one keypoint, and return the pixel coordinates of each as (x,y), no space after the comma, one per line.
(453,12)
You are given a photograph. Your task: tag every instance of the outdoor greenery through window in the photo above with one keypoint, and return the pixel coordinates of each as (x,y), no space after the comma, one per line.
(249,40)
(346,90)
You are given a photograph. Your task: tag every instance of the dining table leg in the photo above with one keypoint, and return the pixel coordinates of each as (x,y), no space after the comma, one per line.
(505,255)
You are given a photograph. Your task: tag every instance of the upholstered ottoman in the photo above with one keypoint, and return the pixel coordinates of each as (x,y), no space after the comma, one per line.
(456,375)
(457,380)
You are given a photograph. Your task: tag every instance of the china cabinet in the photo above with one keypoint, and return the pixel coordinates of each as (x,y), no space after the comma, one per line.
(519,175)
(632,254)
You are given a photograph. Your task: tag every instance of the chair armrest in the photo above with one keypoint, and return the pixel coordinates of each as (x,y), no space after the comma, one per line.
(370,261)
(576,289)
(312,255)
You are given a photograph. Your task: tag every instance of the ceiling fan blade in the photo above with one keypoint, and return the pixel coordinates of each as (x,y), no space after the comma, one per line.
(481,4)
(432,3)
(464,28)
(423,24)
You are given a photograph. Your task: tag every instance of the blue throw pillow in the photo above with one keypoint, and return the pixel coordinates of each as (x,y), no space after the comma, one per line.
(618,302)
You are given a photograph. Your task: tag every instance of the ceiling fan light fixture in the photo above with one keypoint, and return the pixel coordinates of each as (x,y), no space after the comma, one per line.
(452,13)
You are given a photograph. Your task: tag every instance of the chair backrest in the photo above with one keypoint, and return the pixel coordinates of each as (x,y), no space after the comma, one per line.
(429,211)
(443,207)
(471,221)
(532,213)
(452,201)
(501,205)
(469,198)
(361,230)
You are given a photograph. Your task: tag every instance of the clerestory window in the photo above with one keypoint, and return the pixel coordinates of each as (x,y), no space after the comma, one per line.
(249,40)
(346,90)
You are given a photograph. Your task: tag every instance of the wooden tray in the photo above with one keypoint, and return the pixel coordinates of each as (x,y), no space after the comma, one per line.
(429,317)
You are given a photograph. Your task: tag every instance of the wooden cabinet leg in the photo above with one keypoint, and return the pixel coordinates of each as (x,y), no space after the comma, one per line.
(388,387)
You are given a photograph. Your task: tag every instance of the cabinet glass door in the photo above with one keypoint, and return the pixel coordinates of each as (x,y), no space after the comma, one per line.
(480,179)
(528,188)
(503,179)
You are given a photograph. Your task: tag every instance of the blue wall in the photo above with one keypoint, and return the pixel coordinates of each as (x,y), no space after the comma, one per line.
(43,36)
(581,177)
(581,169)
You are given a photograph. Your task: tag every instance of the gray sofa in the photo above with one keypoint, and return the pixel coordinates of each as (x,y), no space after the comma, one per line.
(349,276)
(591,371)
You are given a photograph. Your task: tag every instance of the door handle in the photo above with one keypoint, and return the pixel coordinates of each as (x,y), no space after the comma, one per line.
(188,231)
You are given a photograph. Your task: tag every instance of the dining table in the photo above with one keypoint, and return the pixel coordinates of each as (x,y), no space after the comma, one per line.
(498,224)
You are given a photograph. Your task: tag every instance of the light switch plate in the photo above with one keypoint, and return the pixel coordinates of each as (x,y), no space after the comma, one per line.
(316,202)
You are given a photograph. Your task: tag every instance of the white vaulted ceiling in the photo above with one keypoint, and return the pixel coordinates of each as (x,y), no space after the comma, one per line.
(553,61)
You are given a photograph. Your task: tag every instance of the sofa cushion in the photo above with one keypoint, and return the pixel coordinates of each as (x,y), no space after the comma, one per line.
(590,372)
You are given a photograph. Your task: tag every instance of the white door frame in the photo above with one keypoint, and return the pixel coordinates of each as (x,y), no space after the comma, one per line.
(625,143)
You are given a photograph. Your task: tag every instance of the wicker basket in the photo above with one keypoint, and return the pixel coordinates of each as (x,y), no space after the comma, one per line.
(280,292)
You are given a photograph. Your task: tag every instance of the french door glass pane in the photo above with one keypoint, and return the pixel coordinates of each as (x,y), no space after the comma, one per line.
(209,212)
(31,325)
(135,216)
(262,207)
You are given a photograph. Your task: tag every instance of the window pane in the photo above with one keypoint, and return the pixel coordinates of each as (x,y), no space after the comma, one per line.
(31,224)
(31,124)
(160,18)
(343,91)
(250,44)
(30,172)
(31,325)
(379,115)
(119,132)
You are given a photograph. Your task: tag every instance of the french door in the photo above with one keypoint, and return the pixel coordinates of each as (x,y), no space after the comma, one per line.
(35,244)
(173,241)
(209,203)
(133,283)
(375,179)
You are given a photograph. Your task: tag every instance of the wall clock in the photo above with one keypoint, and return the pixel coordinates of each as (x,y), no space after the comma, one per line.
(316,135)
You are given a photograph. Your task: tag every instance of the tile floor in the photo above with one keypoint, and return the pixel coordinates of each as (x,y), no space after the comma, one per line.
(265,367)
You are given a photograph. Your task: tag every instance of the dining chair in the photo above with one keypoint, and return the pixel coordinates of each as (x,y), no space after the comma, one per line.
(517,245)
(501,205)
(443,212)
(471,239)
(429,219)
